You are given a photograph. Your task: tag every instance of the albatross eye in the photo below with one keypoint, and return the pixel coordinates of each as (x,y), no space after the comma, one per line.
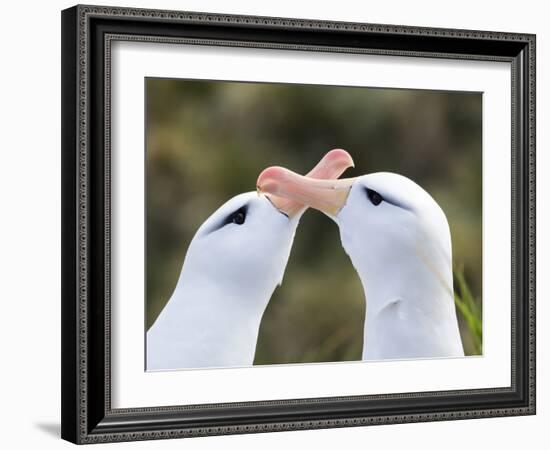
(239,217)
(374,197)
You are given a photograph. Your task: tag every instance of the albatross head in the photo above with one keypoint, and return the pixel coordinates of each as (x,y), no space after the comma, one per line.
(241,246)
(395,233)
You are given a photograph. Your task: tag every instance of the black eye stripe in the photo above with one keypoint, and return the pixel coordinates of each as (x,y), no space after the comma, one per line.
(374,197)
(237,217)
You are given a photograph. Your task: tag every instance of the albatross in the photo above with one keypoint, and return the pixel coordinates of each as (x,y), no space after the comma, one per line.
(233,264)
(398,240)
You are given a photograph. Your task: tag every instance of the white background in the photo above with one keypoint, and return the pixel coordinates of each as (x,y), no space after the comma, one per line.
(30,223)
(132,387)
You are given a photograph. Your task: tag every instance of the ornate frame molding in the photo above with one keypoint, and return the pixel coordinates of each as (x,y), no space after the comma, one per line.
(88,32)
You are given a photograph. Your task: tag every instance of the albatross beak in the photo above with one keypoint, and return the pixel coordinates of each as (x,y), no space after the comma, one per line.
(331,166)
(328,196)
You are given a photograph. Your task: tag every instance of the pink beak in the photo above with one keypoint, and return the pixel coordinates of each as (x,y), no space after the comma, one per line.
(284,190)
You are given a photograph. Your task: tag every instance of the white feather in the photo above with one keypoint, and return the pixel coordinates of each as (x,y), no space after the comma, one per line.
(228,276)
(401,250)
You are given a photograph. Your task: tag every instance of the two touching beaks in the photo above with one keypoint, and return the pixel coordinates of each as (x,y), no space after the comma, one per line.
(321,189)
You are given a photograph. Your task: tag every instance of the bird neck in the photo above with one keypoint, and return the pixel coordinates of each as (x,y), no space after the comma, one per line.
(410,306)
(201,326)
(412,282)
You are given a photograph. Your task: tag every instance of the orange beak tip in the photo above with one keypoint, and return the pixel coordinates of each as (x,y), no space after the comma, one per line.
(340,157)
(269,179)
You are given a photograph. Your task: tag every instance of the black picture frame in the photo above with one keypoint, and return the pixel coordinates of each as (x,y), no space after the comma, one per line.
(87,32)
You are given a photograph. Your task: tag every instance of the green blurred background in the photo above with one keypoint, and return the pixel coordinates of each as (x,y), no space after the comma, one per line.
(208,141)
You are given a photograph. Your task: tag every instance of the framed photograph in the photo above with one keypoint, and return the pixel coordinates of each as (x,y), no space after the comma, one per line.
(278,224)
